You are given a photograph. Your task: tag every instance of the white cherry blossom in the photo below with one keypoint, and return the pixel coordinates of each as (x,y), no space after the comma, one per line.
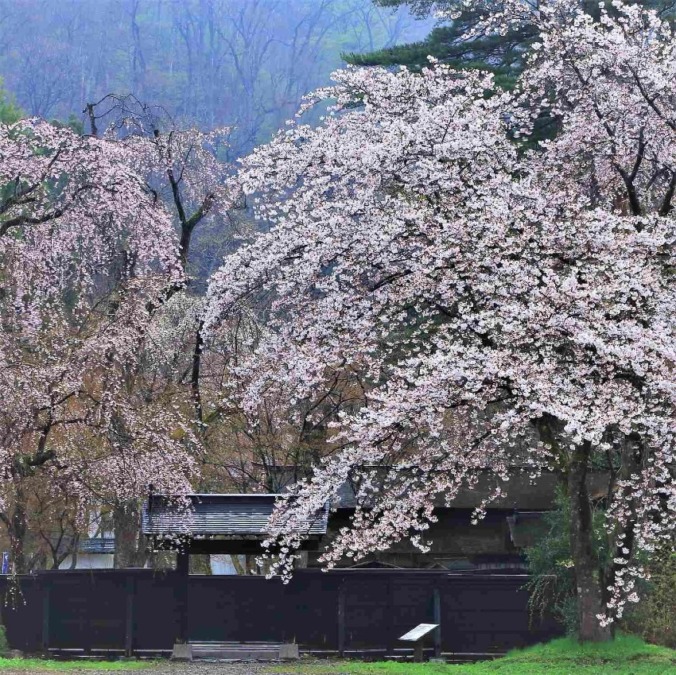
(504,307)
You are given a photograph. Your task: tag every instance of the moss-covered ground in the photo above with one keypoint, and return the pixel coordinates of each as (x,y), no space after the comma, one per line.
(79,664)
(624,656)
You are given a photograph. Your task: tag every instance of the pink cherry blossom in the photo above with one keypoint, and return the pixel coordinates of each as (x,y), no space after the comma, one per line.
(86,255)
(506,309)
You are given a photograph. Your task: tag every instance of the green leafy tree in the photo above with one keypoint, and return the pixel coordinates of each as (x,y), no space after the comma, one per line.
(72,123)
(9,111)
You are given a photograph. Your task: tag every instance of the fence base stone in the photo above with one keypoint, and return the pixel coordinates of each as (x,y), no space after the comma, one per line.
(182,652)
(288,651)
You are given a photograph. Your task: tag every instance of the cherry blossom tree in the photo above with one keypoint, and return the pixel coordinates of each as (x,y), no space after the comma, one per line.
(87,255)
(183,169)
(504,307)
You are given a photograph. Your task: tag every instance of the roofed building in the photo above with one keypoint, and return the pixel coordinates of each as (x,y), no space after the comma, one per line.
(235,524)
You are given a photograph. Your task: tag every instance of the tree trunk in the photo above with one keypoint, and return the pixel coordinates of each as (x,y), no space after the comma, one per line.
(130,550)
(240,569)
(588,583)
(17,530)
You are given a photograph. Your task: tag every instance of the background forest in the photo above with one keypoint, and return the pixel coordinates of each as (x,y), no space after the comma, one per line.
(210,63)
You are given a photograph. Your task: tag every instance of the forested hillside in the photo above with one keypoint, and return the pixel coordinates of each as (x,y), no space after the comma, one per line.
(208,62)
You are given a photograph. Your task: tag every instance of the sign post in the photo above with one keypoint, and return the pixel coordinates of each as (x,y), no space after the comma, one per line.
(417,636)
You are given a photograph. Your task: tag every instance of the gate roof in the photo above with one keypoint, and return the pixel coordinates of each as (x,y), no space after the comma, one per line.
(231,516)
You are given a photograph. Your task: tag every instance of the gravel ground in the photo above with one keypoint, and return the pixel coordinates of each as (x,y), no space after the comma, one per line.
(207,668)
(163,668)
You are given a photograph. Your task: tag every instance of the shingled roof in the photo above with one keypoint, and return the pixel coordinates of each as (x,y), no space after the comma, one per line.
(521,492)
(239,517)
(216,515)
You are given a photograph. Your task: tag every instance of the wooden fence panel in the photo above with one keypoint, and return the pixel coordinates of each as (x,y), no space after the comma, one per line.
(351,610)
(156,620)
(21,609)
(313,601)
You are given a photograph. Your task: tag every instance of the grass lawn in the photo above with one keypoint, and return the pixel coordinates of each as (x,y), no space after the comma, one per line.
(625,656)
(47,664)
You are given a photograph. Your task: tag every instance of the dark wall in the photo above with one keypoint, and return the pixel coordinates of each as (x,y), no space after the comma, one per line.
(132,610)
(22,611)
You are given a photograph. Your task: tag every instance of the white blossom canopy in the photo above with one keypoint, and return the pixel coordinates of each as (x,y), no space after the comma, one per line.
(481,290)
(86,251)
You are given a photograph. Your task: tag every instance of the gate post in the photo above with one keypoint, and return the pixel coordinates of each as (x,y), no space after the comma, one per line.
(391,637)
(45,613)
(182,578)
(341,618)
(436,618)
(129,616)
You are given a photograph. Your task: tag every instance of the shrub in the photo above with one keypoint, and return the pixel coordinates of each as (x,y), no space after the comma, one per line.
(654,618)
(552,585)
(4,645)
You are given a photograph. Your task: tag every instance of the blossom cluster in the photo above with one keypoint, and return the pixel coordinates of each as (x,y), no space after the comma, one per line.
(484,292)
(86,253)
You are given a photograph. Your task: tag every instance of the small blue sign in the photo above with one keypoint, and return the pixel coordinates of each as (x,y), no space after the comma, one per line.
(5,562)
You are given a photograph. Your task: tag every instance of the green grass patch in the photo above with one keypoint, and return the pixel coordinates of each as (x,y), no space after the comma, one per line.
(626,655)
(79,664)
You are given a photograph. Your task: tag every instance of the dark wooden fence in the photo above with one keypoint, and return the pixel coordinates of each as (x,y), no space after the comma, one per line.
(136,611)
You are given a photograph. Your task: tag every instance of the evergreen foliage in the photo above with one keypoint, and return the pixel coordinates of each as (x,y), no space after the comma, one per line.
(550,564)
(502,55)
(4,645)
(552,586)
(654,619)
